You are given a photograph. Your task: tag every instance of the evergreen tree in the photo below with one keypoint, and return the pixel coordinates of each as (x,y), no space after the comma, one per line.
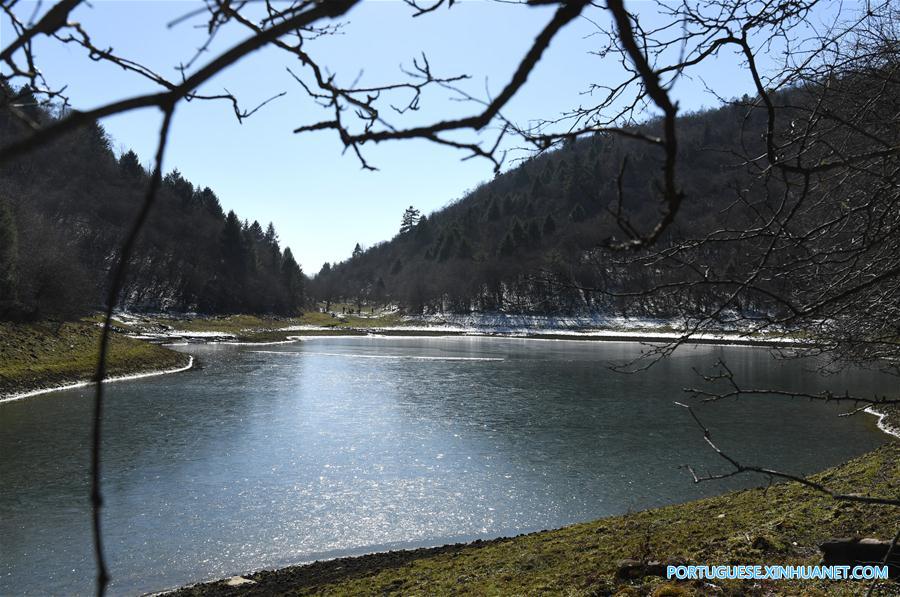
(447,246)
(270,240)
(209,202)
(549,225)
(534,233)
(465,250)
(233,249)
(293,281)
(423,231)
(256,232)
(493,213)
(271,236)
(357,252)
(97,139)
(179,186)
(131,165)
(76,198)
(409,220)
(519,236)
(537,188)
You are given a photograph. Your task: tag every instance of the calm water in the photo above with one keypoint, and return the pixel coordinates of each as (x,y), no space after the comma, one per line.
(281,454)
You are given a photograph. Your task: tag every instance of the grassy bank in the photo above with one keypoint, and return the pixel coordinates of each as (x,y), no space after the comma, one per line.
(47,354)
(781,525)
(257,328)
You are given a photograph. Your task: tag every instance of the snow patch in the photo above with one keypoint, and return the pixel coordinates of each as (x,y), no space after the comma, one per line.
(881,422)
(82,384)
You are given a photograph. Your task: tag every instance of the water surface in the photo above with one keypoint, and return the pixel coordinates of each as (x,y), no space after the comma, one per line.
(274,455)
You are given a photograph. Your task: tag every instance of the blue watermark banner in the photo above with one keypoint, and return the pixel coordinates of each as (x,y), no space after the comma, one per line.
(759,572)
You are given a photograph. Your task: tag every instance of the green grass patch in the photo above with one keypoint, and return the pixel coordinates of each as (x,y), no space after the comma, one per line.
(45,354)
(783,524)
(261,328)
(365,320)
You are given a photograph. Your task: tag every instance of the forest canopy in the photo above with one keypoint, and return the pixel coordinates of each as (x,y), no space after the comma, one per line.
(66,208)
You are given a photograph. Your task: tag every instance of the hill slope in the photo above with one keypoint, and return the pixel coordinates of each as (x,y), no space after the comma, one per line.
(523,241)
(64,212)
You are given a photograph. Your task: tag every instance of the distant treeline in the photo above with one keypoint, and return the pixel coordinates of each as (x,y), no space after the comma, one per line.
(65,209)
(528,241)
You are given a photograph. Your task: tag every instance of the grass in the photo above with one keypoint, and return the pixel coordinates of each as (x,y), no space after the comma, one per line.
(254,328)
(366,320)
(45,354)
(783,524)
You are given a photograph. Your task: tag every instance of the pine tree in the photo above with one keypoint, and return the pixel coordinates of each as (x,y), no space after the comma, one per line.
(447,246)
(465,250)
(423,231)
(233,252)
(537,188)
(534,233)
(409,220)
(357,252)
(270,240)
(271,236)
(519,235)
(493,213)
(293,281)
(209,202)
(131,165)
(549,225)
(179,186)
(256,232)
(97,138)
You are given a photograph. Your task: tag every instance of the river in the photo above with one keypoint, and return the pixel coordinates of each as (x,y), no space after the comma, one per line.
(271,455)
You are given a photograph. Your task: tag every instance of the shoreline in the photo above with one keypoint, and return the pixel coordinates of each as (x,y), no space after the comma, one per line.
(884,422)
(382,562)
(589,335)
(85,383)
(588,554)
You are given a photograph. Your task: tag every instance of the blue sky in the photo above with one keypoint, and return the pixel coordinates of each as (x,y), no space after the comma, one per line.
(321,201)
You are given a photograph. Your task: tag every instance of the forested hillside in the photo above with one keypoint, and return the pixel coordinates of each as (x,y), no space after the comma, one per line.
(531,239)
(65,210)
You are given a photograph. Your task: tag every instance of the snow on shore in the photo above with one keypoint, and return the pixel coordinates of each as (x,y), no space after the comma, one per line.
(882,423)
(512,321)
(587,326)
(81,384)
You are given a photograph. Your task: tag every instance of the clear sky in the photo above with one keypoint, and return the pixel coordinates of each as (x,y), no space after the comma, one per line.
(321,201)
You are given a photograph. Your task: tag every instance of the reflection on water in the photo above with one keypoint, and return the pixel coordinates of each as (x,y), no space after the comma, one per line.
(337,446)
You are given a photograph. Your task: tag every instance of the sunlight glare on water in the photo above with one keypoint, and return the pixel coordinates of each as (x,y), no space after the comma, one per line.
(336,446)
